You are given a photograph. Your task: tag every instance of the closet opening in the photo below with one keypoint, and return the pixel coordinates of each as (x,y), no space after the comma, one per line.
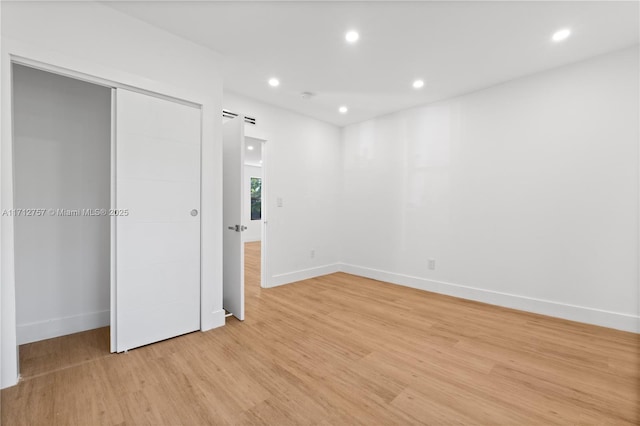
(62,195)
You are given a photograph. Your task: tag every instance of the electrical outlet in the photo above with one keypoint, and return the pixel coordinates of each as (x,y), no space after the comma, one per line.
(432,264)
(312,253)
(279,202)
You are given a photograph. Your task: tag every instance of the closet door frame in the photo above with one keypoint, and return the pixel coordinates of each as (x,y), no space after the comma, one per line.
(211,316)
(114,87)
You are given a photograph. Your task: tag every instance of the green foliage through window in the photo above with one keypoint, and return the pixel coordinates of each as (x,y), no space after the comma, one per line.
(256,198)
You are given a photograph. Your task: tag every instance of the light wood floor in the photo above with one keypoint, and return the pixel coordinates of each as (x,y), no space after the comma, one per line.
(340,350)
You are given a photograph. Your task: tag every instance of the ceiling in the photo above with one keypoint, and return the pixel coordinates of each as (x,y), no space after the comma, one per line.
(456,47)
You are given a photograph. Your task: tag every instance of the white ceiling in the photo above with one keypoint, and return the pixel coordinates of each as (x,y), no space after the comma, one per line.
(456,47)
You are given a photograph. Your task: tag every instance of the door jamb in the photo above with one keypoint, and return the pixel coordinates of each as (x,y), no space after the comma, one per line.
(264,276)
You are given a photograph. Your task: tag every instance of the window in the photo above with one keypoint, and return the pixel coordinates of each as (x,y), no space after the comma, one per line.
(256,198)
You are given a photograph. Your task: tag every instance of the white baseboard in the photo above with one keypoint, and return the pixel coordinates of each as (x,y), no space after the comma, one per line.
(304,274)
(41,330)
(583,314)
(215,320)
(36,331)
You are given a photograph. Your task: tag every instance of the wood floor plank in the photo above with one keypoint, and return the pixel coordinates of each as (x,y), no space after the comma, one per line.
(339,350)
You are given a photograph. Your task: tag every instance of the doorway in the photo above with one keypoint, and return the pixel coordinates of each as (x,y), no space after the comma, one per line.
(245,216)
(62,166)
(107,192)
(254,215)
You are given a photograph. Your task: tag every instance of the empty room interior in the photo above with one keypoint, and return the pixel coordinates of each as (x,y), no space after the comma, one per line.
(320,212)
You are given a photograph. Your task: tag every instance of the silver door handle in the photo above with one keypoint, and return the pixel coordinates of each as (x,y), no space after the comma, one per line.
(194,212)
(243,228)
(234,228)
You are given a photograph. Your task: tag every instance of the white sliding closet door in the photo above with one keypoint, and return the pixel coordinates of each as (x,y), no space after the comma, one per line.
(158,243)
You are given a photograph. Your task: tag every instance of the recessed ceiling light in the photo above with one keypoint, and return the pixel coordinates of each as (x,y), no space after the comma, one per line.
(352,36)
(561,35)
(418,84)
(260,161)
(343,109)
(250,147)
(274,82)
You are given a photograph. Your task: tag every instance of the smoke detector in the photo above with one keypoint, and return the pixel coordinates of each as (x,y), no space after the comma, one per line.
(307,95)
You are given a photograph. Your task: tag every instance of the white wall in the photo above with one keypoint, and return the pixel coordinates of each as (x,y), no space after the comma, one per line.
(525,194)
(95,39)
(302,167)
(62,160)
(254,227)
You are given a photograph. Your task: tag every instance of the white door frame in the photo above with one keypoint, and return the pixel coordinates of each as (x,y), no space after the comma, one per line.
(263,218)
(54,62)
(250,131)
(113,271)
(264,211)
